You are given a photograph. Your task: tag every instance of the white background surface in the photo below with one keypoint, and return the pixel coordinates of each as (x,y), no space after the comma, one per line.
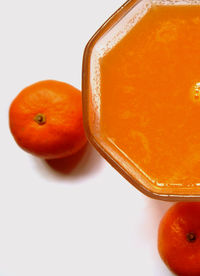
(85,222)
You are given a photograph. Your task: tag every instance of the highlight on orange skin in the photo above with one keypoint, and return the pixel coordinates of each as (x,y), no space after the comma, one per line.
(46,119)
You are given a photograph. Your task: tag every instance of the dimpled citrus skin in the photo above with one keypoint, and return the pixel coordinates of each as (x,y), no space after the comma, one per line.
(179,254)
(62,133)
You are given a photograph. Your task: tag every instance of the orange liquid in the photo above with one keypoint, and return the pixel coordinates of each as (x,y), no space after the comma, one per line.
(150,95)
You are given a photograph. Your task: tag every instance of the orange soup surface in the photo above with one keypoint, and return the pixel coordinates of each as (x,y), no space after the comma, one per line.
(150,95)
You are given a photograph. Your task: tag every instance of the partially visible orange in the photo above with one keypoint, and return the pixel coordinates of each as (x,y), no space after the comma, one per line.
(179,239)
(46,119)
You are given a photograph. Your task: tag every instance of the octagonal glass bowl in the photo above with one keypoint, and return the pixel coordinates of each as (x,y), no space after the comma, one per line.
(113,30)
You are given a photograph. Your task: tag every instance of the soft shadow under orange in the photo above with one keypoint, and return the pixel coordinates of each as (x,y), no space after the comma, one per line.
(67,164)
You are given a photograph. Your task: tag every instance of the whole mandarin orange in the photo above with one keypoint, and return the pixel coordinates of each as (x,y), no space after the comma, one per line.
(46,119)
(179,239)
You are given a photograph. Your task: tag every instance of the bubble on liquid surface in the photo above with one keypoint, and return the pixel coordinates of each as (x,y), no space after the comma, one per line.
(196,92)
